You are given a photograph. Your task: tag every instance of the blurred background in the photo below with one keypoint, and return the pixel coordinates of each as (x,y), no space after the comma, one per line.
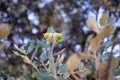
(29,19)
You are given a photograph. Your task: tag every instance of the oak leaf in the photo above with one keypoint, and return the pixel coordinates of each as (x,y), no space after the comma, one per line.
(92,24)
(73,62)
(108,30)
(4,30)
(60,60)
(104,18)
(94,44)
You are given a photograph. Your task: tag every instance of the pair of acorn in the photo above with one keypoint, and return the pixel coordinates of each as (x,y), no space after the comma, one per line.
(53,37)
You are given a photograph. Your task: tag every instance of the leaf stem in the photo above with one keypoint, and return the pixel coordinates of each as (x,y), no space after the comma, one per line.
(35,67)
(61,51)
(51,57)
(52,48)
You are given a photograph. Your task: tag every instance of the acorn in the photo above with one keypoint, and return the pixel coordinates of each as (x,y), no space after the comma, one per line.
(49,37)
(53,37)
(58,36)
(46,35)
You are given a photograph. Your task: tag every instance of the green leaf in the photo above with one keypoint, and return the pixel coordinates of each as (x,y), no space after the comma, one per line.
(31,47)
(62,68)
(44,56)
(87,44)
(86,72)
(43,75)
(41,44)
(50,30)
(106,44)
(116,72)
(34,53)
(105,56)
(29,77)
(60,78)
(22,49)
(36,63)
(63,36)
(52,66)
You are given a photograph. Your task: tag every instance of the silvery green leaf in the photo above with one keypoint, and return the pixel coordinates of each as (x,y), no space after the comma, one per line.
(42,44)
(31,46)
(34,53)
(50,30)
(44,56)
(62,68)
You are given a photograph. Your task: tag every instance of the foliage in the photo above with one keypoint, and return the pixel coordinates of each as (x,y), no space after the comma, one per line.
(79,66)
(29,19)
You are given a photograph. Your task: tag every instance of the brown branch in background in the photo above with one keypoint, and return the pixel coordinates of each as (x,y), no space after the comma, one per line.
(107,76)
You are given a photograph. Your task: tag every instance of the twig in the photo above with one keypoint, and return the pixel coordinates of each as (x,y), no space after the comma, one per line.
(52,48)
(17,48)
(86,55)
(74,76)
(37,60)
(42,64)
(35,67)
(45,68)
(96,62)
(51,57)
(110,60)
(60,52)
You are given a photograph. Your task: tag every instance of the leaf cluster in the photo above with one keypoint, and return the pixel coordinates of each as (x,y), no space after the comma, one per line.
(79,66)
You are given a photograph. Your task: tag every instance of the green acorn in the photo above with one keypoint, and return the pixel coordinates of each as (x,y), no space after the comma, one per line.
(53,37)
(46,35)
(49,37)
(59,36)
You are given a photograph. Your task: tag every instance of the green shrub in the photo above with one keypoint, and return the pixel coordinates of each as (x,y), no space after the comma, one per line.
(79,66)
